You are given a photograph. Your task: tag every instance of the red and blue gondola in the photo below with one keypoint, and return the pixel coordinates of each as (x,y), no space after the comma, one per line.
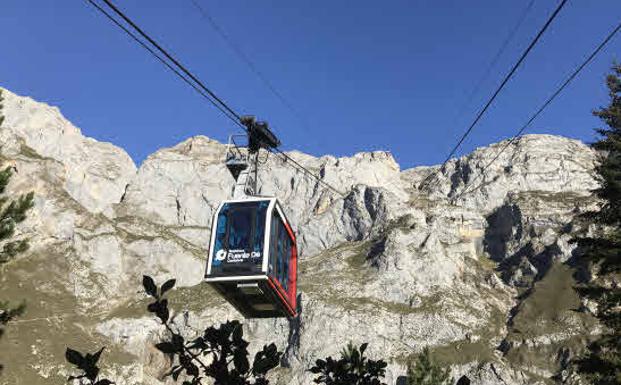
(252,258)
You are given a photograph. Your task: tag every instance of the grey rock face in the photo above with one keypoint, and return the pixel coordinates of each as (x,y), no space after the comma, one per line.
(96,173)
(468,272)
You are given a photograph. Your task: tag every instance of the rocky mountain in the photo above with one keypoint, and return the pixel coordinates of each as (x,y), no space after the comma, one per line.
(482,276)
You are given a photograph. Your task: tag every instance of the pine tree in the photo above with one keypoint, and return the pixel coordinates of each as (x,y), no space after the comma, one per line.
(12,212)
(426,372)
(602,248)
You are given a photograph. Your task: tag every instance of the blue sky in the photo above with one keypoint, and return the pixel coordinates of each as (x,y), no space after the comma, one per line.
(365,75)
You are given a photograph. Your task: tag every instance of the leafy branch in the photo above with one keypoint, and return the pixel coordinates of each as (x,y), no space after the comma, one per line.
(87,363)
(353,368)
(219,353)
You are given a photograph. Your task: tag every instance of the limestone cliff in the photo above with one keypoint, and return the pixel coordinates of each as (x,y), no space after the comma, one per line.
(483,278)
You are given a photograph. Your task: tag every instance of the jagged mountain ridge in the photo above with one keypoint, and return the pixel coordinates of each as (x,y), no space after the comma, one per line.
(485,280)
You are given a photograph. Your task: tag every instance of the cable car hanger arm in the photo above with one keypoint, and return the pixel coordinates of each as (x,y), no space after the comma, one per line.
(267,139)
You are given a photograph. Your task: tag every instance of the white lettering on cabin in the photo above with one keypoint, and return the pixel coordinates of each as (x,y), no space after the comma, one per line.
(236,256)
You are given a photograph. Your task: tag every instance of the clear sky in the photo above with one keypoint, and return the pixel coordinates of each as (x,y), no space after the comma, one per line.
(365,75)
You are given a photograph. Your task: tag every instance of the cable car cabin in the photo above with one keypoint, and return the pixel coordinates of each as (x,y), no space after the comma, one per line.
(253,258)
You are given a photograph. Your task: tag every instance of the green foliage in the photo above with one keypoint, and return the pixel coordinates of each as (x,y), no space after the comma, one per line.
(353,368)
(218,353)
(12,212)
(348,351)
(424,371)
(87,363)
(225,347)
(602,248)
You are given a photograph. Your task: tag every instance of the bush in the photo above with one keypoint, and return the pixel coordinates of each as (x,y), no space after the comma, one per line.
(423,371)
(219,353)
(353,368)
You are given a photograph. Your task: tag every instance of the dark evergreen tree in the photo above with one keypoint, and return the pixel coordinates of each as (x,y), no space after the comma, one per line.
(602,246)
(11,213)
(424,371)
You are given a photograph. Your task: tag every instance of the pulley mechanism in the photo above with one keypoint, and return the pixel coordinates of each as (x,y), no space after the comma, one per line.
(259,135)
(242,159)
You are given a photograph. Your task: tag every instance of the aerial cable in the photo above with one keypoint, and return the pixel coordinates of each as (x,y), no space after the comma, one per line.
(495,94)
(497,56)
(171,58)
(197,85)
(240,53)
(164,62)
(539,111)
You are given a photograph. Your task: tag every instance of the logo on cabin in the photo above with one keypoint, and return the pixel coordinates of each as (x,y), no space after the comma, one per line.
(236,256)
(221,255)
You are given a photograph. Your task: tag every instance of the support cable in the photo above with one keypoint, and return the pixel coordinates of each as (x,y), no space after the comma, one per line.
(539,111)
(164,62)
(532,44)
(197,85)
(171,58)
(240,53)
(494,61)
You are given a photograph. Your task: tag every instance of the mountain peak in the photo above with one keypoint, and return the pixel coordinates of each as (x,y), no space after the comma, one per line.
(460,266)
